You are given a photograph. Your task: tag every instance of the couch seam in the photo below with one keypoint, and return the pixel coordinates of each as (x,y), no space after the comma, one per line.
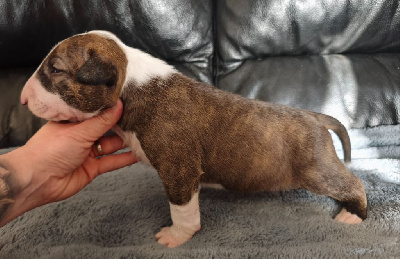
(214,61)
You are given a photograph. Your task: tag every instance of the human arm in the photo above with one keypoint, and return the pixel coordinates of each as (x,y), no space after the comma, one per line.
(57,162)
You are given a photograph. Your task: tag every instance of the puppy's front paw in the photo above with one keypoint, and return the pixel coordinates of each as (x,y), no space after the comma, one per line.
(172,236)
(347,217)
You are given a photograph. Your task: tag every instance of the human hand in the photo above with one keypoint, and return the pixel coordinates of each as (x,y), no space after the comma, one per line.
(61,159)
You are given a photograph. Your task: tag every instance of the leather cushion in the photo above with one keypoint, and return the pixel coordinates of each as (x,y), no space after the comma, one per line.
(359,90)
(249,29)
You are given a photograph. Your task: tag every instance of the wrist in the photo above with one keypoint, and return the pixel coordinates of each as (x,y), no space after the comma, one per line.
(15,179)
(16,165)
(6,194)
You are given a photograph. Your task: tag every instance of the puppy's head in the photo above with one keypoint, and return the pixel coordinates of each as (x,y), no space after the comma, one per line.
(79,78)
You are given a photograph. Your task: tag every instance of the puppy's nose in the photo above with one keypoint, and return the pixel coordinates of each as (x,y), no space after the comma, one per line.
(24,101)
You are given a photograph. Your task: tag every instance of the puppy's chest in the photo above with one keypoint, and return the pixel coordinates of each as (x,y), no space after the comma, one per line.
(131,140)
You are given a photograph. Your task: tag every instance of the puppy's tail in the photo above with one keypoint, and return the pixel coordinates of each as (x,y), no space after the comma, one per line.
(337,127)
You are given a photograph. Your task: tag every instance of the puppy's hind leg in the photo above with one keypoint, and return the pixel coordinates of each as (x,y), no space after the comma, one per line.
(334,180)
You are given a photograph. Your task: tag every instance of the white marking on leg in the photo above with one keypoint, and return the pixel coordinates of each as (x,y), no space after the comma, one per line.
(185,223)
(346,217)
(212,186)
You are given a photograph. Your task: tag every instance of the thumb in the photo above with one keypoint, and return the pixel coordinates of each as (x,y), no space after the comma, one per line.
(97,126)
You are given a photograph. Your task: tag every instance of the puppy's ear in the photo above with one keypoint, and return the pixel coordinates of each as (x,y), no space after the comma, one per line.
(97,71)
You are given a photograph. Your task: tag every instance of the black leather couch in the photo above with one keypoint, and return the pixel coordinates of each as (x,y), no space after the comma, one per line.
(340,58)
(336,57)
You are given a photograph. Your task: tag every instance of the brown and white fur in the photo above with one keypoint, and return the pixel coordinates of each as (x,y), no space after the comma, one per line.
(192,133)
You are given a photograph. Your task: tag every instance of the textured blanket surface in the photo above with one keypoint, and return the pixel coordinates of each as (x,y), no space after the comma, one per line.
(118,214)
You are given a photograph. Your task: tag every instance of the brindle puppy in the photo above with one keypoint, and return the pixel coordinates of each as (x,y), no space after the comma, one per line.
(192,133)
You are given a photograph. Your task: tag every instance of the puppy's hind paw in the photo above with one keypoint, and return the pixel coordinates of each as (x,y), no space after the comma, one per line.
(347,217)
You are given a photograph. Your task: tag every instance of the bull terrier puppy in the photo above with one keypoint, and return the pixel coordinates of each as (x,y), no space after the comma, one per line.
(193,133)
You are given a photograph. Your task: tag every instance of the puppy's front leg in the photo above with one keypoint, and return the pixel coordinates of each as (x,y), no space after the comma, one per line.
(185,223)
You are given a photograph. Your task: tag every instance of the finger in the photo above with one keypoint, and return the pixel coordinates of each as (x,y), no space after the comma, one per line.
(108,145)
(114,162)
(93,128)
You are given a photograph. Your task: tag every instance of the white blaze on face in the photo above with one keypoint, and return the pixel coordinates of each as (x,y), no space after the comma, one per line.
(47,105)
(141,67)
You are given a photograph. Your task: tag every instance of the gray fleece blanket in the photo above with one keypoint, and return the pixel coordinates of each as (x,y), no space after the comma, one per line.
(117,215)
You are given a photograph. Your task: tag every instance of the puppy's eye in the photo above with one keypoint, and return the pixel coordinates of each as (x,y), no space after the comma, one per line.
(55,70)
